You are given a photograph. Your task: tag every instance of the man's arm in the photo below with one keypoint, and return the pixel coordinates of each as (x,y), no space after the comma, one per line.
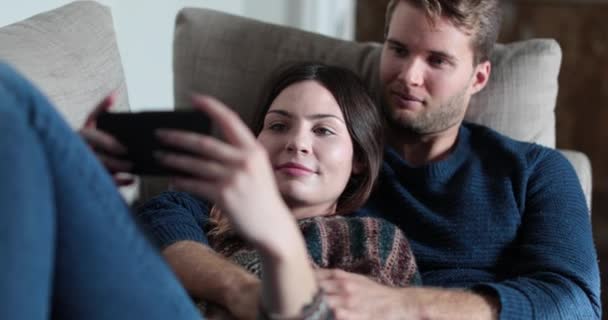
(176,222)
(551,272)
(354,296)
(551,269)
(209,276)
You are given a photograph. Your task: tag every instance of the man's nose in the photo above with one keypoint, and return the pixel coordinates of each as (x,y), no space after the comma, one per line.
(412,73)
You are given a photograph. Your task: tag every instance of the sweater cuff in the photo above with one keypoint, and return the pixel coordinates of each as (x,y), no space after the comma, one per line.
(167,234)
(513,303)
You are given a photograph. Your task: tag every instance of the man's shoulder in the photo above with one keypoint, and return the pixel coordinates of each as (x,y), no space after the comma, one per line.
(493,143)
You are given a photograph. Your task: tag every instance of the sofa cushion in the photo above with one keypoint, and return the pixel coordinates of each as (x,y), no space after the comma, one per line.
(231,57)
(71,54)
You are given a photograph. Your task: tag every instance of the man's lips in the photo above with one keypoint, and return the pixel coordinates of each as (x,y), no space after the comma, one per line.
(406,98)
(293,168)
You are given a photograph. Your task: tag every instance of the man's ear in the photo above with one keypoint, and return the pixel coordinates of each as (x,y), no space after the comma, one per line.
(481,76)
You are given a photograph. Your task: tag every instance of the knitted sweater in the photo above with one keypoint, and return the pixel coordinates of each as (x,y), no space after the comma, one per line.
(497,215)
(369,246)
(501,216)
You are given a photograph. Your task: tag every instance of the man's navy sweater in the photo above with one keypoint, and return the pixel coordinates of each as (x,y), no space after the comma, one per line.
(497,215)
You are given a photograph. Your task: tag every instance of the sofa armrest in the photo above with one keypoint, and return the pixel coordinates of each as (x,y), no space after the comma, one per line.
(582,166)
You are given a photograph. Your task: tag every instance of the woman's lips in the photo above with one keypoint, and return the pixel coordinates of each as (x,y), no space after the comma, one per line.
(294,169)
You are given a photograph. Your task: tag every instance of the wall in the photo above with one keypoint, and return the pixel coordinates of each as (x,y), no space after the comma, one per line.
(145,32)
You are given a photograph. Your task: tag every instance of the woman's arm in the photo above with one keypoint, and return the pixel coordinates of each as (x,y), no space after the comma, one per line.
(237,176)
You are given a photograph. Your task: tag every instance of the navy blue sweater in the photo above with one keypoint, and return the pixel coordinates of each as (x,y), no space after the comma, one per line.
(497,215)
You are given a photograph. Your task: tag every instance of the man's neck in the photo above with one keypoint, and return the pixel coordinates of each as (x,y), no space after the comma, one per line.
(420,150)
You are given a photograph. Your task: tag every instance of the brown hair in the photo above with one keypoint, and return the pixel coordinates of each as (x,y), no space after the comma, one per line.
(362,119)
(480,17)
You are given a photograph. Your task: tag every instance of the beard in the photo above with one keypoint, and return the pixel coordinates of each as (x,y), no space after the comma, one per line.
(434,119)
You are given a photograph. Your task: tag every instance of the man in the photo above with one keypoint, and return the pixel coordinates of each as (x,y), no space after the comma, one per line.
(505,219)
(500,228)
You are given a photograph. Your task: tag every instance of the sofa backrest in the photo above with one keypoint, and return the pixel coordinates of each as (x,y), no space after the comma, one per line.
(231,57)
(71,54)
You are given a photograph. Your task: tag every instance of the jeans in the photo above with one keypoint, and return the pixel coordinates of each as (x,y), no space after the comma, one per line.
(69,245)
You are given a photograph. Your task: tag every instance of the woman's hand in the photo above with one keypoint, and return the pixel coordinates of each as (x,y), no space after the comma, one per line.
(106,148)
(236,175)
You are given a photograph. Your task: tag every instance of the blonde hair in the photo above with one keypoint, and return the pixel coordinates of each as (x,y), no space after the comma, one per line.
(481,17)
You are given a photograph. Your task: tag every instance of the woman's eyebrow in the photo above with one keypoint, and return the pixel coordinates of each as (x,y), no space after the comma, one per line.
(315,116)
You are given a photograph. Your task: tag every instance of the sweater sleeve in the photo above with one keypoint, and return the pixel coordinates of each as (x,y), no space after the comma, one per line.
(174,216)
(554,270)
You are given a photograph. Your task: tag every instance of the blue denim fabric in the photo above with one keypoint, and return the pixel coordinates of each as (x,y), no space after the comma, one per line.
(69,246)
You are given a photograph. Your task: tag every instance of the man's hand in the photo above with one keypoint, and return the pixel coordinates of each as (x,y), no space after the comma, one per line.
(106,148)
(353,296)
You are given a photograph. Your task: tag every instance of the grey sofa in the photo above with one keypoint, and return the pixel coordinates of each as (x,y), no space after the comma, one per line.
(71,53)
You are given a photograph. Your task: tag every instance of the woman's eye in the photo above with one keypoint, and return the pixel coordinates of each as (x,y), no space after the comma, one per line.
(323,131)
(277,127)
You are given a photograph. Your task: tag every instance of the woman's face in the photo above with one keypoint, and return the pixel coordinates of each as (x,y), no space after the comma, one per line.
(309,147)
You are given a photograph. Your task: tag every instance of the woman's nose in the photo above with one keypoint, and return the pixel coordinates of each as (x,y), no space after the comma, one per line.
(299,143)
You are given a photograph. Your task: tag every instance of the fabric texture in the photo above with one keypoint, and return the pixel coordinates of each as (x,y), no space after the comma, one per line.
(69,246)
(369,246)
(71,54)
(231,57)
(518,227)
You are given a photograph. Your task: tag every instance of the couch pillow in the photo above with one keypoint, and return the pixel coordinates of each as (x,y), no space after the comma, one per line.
(231,57)
(71,54)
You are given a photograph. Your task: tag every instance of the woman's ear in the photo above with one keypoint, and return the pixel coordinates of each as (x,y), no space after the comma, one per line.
(358,167)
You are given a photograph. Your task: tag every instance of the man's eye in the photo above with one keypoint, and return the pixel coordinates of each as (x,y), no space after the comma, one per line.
(437,61)
(399,50)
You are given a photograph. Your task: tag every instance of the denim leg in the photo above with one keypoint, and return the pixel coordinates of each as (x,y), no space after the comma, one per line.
(69,245)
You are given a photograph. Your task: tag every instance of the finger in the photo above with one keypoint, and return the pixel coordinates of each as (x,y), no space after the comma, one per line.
(330,287)
(102,141)
(325,274)
(115,165)
(205,146)
(104,105)
(195,166)
(345,314)
(229,123)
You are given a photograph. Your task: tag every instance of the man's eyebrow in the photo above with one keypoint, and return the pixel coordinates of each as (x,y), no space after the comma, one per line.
(442,54)
(449,57)
(315,116)
(395,42)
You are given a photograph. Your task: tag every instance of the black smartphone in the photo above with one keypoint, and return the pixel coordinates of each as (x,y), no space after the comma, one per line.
(136,131)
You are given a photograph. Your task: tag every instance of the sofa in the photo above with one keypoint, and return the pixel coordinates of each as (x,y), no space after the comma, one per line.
(71,54)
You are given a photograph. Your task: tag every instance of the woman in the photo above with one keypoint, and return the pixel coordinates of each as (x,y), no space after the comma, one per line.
(71,249)
(319,137)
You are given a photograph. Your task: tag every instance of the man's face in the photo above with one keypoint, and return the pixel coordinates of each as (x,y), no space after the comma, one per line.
(427,72)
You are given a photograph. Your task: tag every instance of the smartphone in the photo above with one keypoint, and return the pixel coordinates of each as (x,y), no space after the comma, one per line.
(136,131)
